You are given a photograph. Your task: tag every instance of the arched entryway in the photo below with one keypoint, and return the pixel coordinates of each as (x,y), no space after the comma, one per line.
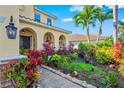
(28,39)
(49,37)
(62,40)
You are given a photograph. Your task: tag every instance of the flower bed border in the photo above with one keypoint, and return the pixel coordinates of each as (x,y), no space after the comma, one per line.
(72,79)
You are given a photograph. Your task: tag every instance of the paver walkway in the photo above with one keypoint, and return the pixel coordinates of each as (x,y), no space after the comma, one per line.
(52,80)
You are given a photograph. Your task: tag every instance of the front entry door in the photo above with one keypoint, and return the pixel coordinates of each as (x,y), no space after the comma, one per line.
(25,42)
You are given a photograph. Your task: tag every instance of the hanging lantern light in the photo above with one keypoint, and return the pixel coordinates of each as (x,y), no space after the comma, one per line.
(11,29)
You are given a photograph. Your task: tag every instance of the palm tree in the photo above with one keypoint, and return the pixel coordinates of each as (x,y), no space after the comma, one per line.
(115,22)
(121,29)
(86,17)
(102,17)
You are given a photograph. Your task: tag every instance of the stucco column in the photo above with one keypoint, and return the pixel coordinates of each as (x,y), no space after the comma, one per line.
(40,36)
(56,42)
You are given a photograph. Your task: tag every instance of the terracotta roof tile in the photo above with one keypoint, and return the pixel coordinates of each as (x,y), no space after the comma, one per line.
(79,37)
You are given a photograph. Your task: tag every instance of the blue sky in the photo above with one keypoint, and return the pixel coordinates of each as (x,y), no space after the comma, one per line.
(65,14)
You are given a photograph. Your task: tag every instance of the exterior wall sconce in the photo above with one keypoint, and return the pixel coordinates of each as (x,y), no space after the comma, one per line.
(11,29)
(23,31)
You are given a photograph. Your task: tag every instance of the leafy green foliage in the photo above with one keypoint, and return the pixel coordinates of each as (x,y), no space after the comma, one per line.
(121,70)
(80,66)
(103,55)
(86,17)
(23,51)
(86,46)
(87,51)
(72,56)
(102,81)
(64,65)
(102,17)
(112,78)
(105,43)
(54,60)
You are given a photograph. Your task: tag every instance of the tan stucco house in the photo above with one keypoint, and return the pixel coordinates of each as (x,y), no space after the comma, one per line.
(75,39)
(34,27)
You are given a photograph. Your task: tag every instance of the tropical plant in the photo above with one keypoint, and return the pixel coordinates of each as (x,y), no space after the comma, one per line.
(71,48)
(48,48)
(35,57)
(72,56)
(117,50)
(103,55)
(17,71)
(121,70)
(62,50)
(86,51)
(24,51)
(86,17)
(80,66)
(21,71)
(112,78)
(108,42)
(36,75)
(85,46)
(54,60)
(64,65)
(102,17)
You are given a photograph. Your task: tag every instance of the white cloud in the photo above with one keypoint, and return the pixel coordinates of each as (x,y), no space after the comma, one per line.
(67,19)
(122,20)
(76,8)
(119,6)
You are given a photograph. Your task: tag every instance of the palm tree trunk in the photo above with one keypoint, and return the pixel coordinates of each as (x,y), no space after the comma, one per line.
(88,36)
(100,32)
(123,37)
(115,22)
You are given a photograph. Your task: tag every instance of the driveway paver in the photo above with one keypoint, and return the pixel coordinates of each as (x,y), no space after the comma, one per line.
(52,80)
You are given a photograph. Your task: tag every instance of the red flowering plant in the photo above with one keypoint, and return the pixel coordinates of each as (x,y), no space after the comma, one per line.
(62,50)
(21,71)
(17,71)
(48,48)
(117,51)
(35,58)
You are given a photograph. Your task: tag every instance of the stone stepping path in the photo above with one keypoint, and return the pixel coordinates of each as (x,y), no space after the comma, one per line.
(52,80)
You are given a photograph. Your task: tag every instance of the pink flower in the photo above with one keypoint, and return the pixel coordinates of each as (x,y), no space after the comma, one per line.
(40,60)
(7,66)
(3,71)
(117,44)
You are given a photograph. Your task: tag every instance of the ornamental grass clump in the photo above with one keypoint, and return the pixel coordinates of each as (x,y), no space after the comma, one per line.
(80,66)
(112,78)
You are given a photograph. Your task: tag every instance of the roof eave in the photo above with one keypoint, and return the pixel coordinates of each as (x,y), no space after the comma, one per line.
(44,25)
(48,14)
